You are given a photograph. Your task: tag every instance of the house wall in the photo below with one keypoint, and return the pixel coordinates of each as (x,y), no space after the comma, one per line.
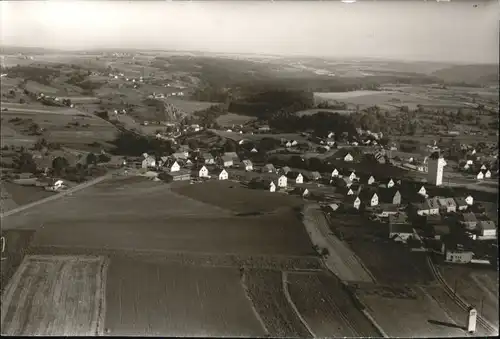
(400,236)
(458,257)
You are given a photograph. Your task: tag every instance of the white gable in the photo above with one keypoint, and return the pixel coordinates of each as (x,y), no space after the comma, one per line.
(299,179)
(175,167)
(371,180)
(335,173)
(390,183)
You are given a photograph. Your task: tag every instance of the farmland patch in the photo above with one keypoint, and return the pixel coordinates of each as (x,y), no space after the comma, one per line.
(417,315)
(174,300)
(54,296)
(234,197)
(233,119)
(326,306)
(23,195)
(265,289)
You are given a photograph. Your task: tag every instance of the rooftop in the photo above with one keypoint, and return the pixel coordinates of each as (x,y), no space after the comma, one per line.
(401,228)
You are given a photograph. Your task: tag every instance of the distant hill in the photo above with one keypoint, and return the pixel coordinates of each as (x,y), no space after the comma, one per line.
(9,50)
(473,74)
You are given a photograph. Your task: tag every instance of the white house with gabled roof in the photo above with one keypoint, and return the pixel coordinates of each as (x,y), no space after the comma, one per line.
(352,176)
(422,191)
(254,150)
(480,176)
(335,173)
(348,158)
(371,180)
(272,187)
(247,164)
(390,183)
(299,179)
(175,167)
(222,174)
(469,200)
(203,172)
(483,167)
(282,181)
(487,174)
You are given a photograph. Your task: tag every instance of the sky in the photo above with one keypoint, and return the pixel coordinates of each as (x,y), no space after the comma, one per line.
(453,31)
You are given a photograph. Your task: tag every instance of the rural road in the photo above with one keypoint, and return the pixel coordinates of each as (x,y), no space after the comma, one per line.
(341,261)
(58,195)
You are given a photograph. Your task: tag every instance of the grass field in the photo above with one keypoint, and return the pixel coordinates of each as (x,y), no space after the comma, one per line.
(172,300)
(23,195)
(414,315)
(326,307)
(54,296)
(147,216)
(230,119)
(189,106)
(36,87)
(265,289)
(236,198)
(316,110)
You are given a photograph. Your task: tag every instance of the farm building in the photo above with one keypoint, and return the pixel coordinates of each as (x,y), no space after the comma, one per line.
(348,157)
(299,179)
(269,168)
(209,159)
(335,173)
(447,205)
(457,255)
(468,220)
(203,172)
(469,200)
(175,167)
(179,175)
(371,180)
(353,201)
(247,165)
(422,191)
(282,181)
(148,162)
(390,183)
(271,186)
(487,229)
(222,174)
(400,232)
(461,203)
(315,175)
(226,161)
(301,191)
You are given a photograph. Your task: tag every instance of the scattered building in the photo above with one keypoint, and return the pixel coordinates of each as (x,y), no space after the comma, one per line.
(348,157)
(468,220)
(458,255)
(448,205)
(247,165)
(209,159)
(203,172)
(299,179)
(480,176)
(282,181)
(461,203)
(175,167)
(353,201)
(335,173)
(315,175)
(371,180)
(222,174)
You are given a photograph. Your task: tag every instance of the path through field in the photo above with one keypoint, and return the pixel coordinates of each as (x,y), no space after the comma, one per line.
(341,260)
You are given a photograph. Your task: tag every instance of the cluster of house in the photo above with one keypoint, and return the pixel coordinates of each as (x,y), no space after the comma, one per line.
(480,173)
(54,101)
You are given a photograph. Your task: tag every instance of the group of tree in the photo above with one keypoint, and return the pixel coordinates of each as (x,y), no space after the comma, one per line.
(133,144)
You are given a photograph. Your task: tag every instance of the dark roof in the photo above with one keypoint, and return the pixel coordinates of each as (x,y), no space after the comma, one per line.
(441,229)
(399,218)
(387,194)
(401,228)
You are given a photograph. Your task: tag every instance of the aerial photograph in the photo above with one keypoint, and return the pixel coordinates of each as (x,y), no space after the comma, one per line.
(258,169)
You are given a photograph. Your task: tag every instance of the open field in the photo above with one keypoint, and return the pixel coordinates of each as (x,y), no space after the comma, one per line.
(265,290)
(23,195)
(189,106)
(234,197)
(147,216)
(36,87)
(326,307)
(16,246)
(173,300)
(82,100)
(6,203)
(233,119)
(54,296)
(409,313)
(476,286)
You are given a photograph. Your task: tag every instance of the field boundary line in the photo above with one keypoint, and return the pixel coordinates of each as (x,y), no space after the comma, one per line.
(284,281)
(252,305)
(101,307)
(8,292)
